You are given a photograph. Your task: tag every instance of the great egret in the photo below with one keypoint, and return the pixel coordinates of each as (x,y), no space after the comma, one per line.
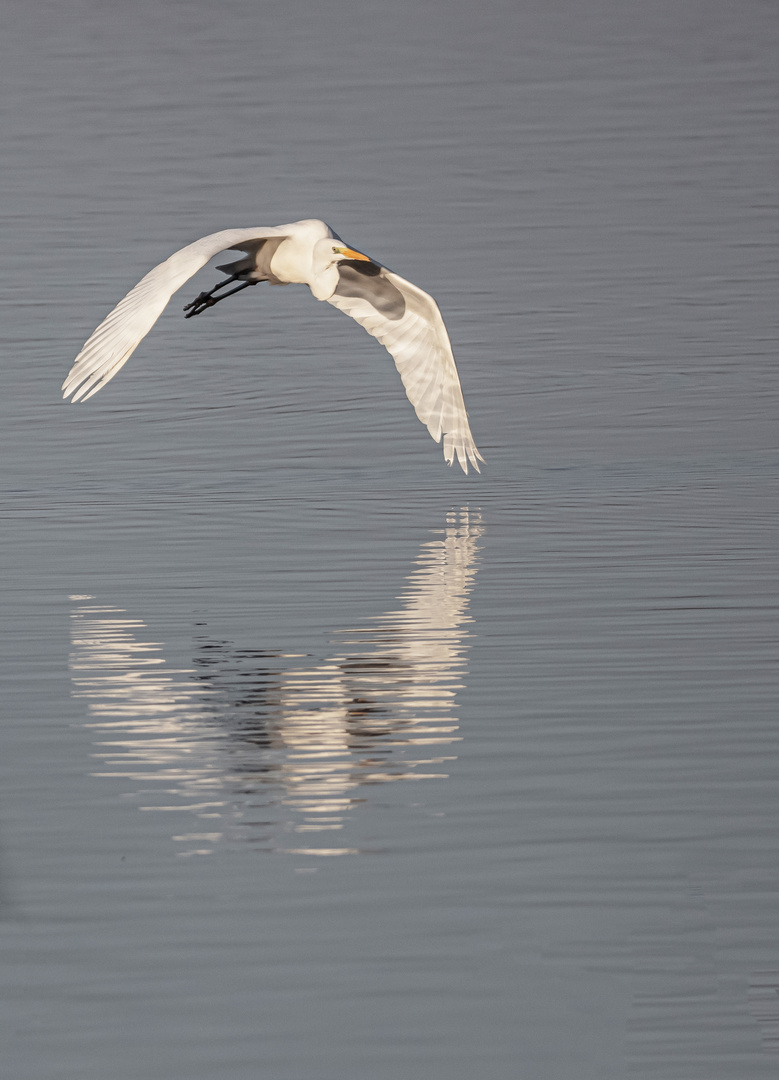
(402,317)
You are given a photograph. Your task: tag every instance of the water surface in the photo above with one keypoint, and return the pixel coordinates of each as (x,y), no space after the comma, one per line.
(321,760)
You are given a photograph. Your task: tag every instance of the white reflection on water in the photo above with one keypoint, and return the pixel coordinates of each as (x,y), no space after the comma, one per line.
(262,748)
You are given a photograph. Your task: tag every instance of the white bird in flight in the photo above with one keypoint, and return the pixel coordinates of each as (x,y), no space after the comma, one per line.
(401,316)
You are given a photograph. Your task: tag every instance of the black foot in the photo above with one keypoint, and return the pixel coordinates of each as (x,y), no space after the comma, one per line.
(200,303)
(207,299)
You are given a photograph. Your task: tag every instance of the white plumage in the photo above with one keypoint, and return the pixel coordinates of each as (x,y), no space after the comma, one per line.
(401,316)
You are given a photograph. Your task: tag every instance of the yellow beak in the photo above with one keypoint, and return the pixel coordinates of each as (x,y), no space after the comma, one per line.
(351,254)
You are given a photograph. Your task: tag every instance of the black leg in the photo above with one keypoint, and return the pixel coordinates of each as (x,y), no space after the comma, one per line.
(207,299)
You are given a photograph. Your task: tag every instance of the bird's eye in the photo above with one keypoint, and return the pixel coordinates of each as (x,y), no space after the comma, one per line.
(336,250)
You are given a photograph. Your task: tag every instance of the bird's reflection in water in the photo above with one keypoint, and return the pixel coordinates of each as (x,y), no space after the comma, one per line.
(263,747)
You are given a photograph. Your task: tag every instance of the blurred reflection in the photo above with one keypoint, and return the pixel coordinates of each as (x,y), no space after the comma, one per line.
(764,1002)
(262,746)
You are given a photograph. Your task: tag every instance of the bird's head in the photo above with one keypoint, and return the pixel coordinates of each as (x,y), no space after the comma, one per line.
(327,256)
(332,251)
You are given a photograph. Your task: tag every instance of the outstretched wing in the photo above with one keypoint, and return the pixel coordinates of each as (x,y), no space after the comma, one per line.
(119,334)
(407,322)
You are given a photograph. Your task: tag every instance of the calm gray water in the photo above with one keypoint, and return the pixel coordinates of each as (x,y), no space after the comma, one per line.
(319,760)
